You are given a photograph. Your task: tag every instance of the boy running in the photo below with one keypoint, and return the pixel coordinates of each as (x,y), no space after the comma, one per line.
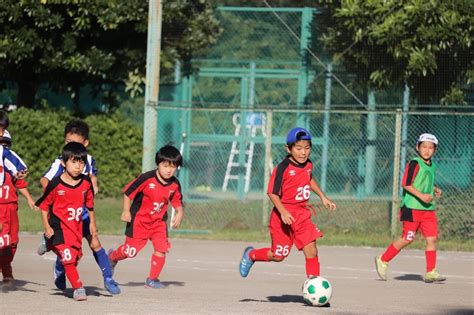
(65,199)
(417,211)
(289,189)
(145,204)
(78,131)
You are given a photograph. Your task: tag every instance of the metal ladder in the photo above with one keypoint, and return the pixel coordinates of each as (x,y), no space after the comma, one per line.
(253,125)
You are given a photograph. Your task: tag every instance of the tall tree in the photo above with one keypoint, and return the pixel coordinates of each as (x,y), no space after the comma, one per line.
(70,43)
(426,44)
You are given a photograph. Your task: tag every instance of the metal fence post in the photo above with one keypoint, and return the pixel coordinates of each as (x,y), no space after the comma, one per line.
(396,173)
(268,163)
(152,84)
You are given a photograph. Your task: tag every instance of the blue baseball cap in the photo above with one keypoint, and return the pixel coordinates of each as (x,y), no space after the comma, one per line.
(297,134)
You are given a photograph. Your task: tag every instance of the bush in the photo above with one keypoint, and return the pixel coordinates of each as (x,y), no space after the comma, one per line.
(115,143)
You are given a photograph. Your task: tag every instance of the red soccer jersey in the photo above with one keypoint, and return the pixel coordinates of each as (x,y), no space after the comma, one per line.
(150,202)
(65,204)
(8,192)
(291,182)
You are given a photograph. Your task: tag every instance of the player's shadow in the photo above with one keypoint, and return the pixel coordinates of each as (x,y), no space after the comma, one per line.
(409,277)
(19,286)
(279,299)
(165,283)
(90,291)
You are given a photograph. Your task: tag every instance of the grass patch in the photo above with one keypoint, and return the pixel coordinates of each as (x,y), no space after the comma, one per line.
(243,224)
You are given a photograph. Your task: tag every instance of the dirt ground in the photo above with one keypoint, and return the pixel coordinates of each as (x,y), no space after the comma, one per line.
(201,277)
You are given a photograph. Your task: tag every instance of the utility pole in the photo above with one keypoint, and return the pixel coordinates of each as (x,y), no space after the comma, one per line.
(155,10)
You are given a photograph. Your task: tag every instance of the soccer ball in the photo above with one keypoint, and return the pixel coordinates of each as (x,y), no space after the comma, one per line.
(317,291)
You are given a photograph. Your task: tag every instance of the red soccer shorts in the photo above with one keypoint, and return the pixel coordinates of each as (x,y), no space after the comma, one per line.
(302,232)
(9,224)
(159,239)
(426,221)
(69,254)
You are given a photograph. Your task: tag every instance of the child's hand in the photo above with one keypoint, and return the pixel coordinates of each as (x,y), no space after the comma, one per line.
(329,204)
(438,192)
(286,217)
(426,198)
(48,232)
(178,217)
(31,204)
(126,217)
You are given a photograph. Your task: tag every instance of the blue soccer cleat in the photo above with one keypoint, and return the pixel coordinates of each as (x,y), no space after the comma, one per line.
(59,276)
(246,263)
(112,286)
(154,284)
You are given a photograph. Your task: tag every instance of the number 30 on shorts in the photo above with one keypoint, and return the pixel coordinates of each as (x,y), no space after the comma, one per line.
(282,250)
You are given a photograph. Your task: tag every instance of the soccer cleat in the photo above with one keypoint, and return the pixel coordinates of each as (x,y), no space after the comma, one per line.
(79,294)
(59,276)
(246,263)
(381,268)
(154,284)
(433,276)
(111,286)
(8,284)
(43,247)
(112,263)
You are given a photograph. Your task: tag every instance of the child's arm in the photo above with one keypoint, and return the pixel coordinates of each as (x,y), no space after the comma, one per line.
(178,217)
(438,192)
(92,224)
(94,183)
(44,182)
(328,203)
(48,231)
(426,198)
(286,216)
(29,199)
(126,215)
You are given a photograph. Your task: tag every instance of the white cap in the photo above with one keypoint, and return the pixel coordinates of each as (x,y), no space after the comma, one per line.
(428,137)
(6,134)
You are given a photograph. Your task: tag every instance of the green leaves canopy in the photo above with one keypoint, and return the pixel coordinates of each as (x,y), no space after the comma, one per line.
(427,44)
(71,43)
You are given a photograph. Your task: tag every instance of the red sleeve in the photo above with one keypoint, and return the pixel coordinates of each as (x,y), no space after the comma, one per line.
(90,198)
(21,183)
(410,173)
(271,182)
(135,186)
(177,198)
(47,200)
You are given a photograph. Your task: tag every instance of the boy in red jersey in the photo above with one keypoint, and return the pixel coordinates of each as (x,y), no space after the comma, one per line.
(290,222)
(65,199)
(145,204)
(9,224)
(417,211)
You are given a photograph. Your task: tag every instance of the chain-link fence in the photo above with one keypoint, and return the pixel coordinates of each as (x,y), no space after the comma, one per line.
(359,158)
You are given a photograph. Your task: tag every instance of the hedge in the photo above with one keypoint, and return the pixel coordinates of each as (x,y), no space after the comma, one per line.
(115,143)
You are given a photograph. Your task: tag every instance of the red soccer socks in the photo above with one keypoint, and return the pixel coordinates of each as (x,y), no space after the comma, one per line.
(260,254)
(430,260)
(73,276)
(389,253)
(312,267)
(157,264)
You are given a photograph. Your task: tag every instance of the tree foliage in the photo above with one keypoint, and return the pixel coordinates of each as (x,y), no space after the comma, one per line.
(427,44)
(71,43)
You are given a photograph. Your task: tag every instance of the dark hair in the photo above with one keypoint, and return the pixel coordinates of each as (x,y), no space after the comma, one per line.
(77,127)
(4,121)
(298,137)
(170,154)
(74,151)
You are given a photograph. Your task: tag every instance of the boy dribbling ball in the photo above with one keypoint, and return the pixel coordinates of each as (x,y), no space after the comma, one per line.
(289,190)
